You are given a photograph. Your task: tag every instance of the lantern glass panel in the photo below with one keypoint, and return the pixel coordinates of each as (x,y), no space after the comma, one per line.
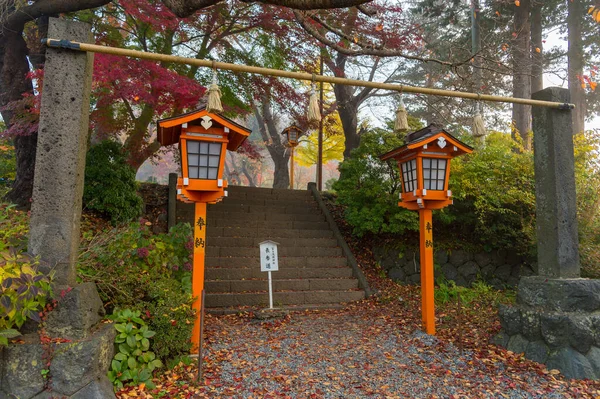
(434,173)
(203,159)
(409,175)
(293,136)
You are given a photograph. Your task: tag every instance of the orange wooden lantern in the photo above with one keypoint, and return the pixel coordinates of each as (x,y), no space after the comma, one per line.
(203,139)
(424,164)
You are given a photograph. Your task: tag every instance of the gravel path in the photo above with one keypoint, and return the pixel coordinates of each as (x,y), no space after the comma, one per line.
(351,354)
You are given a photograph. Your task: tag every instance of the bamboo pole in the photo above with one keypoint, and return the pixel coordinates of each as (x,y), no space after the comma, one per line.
(296,75)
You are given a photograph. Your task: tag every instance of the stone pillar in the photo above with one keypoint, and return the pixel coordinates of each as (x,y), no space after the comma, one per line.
(557,316)
(61,149)
(77,369)
(556,215)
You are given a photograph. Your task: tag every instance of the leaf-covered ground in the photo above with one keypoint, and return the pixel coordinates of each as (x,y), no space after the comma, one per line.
(370,349)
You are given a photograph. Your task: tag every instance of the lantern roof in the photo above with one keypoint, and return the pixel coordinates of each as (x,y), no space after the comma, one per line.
(292,127)
(169,129)
(422,137)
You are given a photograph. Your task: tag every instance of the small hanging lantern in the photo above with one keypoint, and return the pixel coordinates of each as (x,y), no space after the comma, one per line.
(292,134)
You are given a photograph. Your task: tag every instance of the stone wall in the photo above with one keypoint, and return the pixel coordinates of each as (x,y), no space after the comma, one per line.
(556,322)
(499,268)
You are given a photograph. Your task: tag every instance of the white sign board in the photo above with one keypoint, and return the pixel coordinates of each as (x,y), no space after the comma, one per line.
(269,261)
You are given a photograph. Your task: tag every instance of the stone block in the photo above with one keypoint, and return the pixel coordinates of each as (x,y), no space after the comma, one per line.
(501,339)
(461,281)
(440,257)
(571,364)
(593,356)
(460,257)
(555,329)
(568,295)
(76,313)
(537,351)
(503,272)
(483,259)
(98,389)
(449,271)
(77,364)
(530,321)
(414,279)
(22,371)
(397,274)
(510,319)
(469,269)
(499,257)
(517,344)
(582,333)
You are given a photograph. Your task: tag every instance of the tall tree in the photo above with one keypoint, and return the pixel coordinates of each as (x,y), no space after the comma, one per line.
(521,60)
(575,61)
(14,64)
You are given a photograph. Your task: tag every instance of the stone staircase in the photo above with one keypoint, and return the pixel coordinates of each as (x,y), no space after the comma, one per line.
(313,271)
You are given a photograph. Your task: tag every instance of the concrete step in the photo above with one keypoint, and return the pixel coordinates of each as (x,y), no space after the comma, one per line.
(284,262)
(253,209)
(265,234)
(263,224)
(247,273)
(214,251)
(318,284)
(275,217)
(282,298)
(283,242)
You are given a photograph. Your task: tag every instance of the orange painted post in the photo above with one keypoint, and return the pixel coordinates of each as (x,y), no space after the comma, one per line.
(427,283)
(198,271)
(292,168)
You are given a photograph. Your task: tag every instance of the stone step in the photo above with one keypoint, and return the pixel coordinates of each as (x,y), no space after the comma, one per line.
(249,192)
(284,262)
(318,284)
(282,298)
(275,217)
(299,202)
(254,209)
(247,273)
(265,234)
(263,224)
(251,252)
(289,308)
(283,242)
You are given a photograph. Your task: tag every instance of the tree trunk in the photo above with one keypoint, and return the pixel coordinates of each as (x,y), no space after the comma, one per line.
(347,106)
(575,61)
(13,83)
(278,152)
(521,114)
(537,61)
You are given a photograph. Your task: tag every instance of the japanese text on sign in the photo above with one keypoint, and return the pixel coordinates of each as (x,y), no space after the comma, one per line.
(269,261)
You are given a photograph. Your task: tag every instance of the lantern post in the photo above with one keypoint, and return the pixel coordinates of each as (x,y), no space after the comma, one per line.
(424,163)
(292,135)
(203,139)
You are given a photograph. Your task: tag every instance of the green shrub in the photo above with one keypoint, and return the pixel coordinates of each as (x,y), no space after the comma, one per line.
(14,228)
(110,186)
(148,273)
(134,362)
(480,292)
(23,294)
(369,188)
(8,166)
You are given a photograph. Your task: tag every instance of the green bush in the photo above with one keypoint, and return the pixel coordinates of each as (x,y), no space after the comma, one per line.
(23,294)
(148,273)
(8,166)
(369,188)
(133,362)
(110,186)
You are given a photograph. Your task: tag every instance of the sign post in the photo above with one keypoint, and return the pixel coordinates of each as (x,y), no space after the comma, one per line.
(269,262)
